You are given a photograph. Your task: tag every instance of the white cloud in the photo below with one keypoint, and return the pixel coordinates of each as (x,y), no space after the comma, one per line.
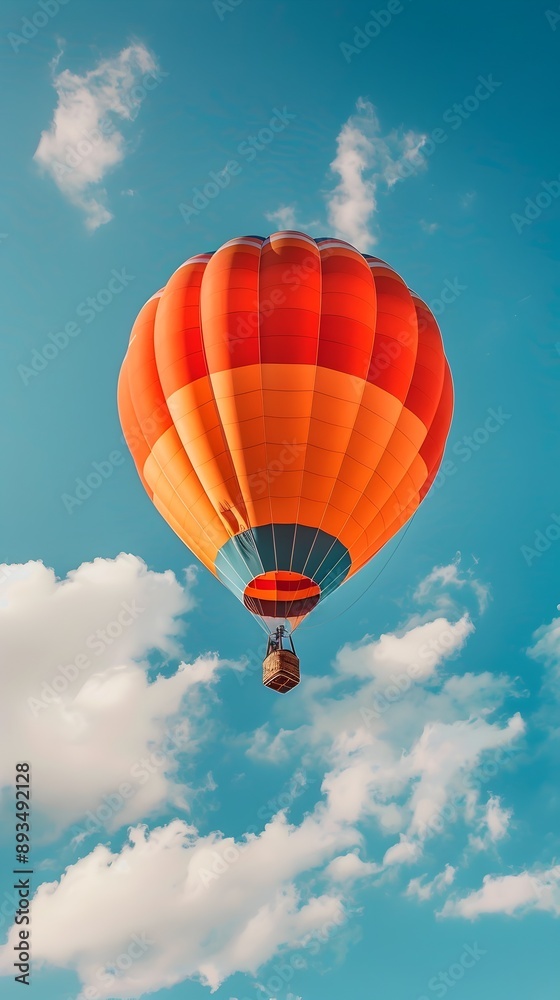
(497,819)
(425,890)
(510,894)
(403,853)
(206,905)
(365,159)
(77,700)
(494,825)
(468,199)
(436,585)
(211,906)
(401,739)
(262,747)
(348,868)
(416,652)
(546,647)
(441,758)
(285,216)
(429,227)
(83,142)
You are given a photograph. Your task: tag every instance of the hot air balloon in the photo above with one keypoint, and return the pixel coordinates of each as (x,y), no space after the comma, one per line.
(286,402)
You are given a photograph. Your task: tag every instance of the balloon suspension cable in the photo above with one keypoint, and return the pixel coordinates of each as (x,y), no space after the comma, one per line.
(307,628)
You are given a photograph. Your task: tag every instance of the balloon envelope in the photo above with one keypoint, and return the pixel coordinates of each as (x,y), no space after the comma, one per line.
(287,402)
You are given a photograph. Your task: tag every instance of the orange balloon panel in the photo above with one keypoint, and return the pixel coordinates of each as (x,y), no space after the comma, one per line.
(287,403)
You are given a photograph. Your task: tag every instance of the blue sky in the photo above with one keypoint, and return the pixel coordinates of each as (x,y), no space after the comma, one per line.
(336,768)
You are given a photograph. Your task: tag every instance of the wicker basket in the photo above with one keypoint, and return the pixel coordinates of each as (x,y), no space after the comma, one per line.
(281,670)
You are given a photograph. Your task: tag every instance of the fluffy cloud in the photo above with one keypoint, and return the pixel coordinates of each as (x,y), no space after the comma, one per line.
(494,825)
(364,161)
(202,906)
(510,894)
(429,227)
(403,853)
(174,903)
(436,586)
(83,142)
(349,867)
(423,890)
(546,648)
(77,699)
(443,756)
(401,739)
(497,819)
(285,216)
(416,652)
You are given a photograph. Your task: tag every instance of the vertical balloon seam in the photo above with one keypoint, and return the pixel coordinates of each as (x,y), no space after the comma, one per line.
(226,446)
(311,397)
(415,498)
(265,435)
(174,487)
(158,464)
(203,528)
(406,470)
(327,255)
(365,554)
(350,431)
(172,520)
(250,527)
(374,470)
(253,539)
(395,429)
(311,400)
